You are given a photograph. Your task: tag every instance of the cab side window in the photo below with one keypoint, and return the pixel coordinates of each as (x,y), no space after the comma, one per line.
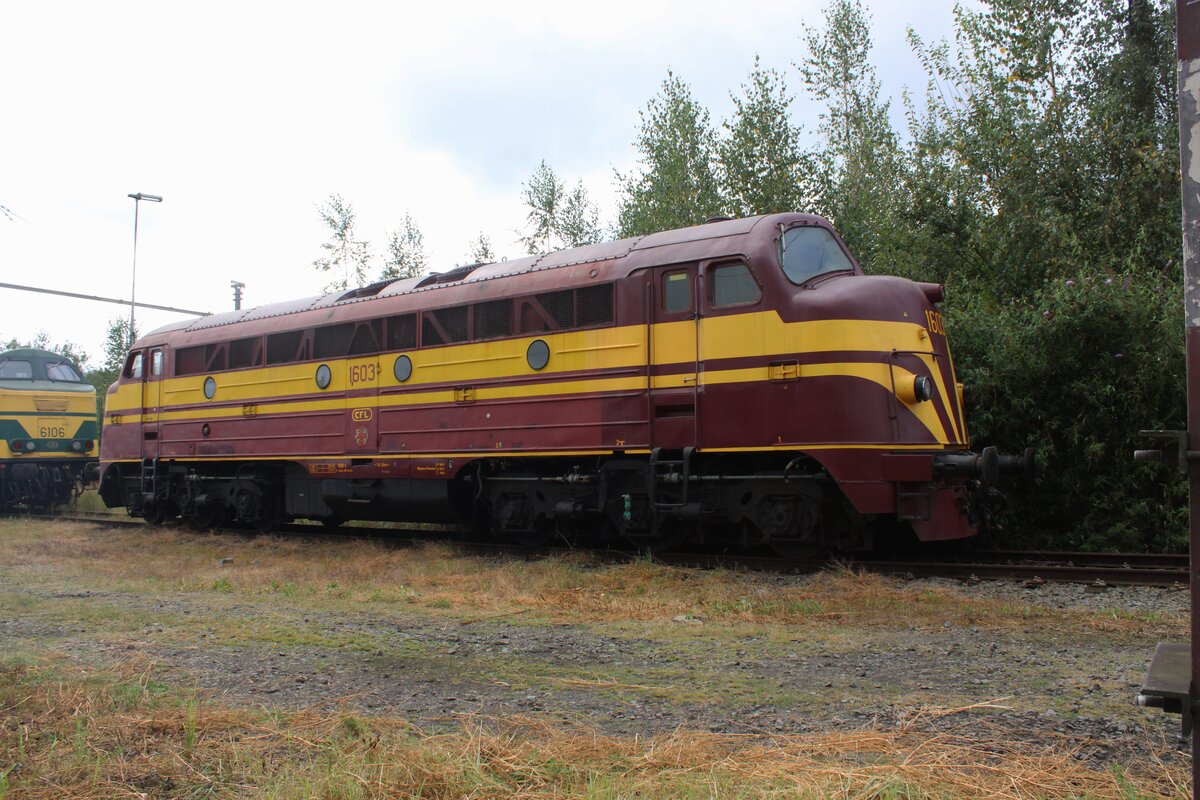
(133,366)
(677,291)
(156,363)
(733,285)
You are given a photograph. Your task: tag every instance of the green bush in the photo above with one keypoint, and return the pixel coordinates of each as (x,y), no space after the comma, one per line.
(1075,372)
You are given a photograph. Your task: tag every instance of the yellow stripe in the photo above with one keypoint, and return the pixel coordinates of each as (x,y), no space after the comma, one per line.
(736,336)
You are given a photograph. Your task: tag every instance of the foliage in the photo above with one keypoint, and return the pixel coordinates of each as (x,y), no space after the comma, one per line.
(1044,188)
(543,195)
(480,251)
(677,184)
(42,341)
(557,218)
(764,168)
(406,252)
(1075,372)
(858,163)
(346,257)
(116,344)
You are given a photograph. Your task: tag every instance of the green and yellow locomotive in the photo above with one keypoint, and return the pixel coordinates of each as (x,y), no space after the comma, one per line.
(48,429)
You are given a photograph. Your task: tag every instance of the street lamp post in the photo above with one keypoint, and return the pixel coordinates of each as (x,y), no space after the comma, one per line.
(137,198)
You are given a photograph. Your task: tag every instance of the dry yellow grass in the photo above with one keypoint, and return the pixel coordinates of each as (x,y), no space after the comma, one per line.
(66,733)
(70,731)
(436,578)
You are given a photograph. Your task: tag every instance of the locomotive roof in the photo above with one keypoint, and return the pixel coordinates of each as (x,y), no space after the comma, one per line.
(37,379)
(34,354)
(691,242)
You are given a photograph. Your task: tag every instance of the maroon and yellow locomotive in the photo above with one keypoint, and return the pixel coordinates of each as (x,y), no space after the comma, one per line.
(741,378)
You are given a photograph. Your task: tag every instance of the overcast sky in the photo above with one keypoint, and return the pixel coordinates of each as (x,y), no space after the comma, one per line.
(246,116)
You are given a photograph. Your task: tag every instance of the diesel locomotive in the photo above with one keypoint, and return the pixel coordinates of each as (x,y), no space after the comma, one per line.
(741,379)
(48,430)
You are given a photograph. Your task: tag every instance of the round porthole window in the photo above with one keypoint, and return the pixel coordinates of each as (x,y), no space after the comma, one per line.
(324,376)
(210,387)
(403,368)
(538,354)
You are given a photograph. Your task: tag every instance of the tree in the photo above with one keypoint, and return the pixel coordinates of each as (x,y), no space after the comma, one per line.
(676,184)
(764,166)
(480,251)
(406,252)
(41,341)
(543,195)
(116,346)
(858,182)
(1043,187)
(557,218)
(347,258)
(578,221)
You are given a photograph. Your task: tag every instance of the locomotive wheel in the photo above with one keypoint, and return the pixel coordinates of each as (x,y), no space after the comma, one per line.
(153,513)
(205,518)
(542,534)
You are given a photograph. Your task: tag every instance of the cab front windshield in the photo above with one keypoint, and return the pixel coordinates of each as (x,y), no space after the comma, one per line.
(808,251)
(62,371)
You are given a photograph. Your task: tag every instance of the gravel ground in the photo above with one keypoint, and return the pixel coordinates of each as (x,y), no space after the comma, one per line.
(627,680)
(435,671)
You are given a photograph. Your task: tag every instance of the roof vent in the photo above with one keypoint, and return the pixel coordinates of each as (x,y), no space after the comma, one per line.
(370,290)
(711,220)
(450,276)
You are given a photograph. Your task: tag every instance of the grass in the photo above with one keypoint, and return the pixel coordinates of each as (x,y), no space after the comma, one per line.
(70,730)
(435,578)
(123,732)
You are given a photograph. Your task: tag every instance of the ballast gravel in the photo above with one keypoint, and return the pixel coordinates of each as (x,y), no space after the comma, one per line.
(435,671)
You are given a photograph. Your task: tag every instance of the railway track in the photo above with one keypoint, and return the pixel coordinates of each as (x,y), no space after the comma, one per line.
(1096,569)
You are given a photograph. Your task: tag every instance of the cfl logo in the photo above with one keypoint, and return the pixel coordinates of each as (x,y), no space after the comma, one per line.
(361,415)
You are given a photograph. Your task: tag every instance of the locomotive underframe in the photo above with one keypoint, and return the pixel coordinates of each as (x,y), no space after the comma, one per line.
(784,501)
(39,486)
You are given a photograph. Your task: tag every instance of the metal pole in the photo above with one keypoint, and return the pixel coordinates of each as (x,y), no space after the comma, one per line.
(1187,22)
(137,198)
(97,298)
